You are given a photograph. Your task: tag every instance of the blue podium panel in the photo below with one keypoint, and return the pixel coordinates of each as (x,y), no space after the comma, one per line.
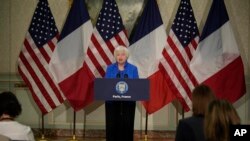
(117,89)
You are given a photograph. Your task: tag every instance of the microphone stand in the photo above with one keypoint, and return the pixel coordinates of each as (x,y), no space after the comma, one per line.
(125,76)
(146,127)
(118,75)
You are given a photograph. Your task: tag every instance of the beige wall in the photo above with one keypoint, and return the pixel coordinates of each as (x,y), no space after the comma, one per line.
(15,16)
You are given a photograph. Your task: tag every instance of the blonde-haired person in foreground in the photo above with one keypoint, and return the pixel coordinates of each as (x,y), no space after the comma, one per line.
(219,116)
(192,128)
(10,108)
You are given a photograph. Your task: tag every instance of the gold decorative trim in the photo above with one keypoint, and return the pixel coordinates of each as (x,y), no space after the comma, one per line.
(20,85)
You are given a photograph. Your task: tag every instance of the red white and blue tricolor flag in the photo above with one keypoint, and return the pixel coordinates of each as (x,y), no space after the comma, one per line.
(147,44)
(67,60)
(182,42)
(217,61)
(38,47)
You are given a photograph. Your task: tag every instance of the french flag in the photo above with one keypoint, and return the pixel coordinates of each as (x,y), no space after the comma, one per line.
(217,61)
(146,48)
(67,60)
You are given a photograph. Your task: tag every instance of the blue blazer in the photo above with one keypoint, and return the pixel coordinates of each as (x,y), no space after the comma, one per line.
(130,71)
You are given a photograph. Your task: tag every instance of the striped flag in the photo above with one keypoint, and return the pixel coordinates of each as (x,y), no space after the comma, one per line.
(108,34)
(67,60)
(35,56)
(181,44)
(217,61)
(147,44)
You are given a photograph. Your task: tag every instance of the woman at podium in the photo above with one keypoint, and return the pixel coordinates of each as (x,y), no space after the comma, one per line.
(120,114)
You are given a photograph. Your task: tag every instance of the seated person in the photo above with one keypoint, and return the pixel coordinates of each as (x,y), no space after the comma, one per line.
(10,108)
(191,128)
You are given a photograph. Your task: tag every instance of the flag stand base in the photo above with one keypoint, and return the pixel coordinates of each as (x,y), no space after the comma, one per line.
(43,138)
(73,138)
(145,137)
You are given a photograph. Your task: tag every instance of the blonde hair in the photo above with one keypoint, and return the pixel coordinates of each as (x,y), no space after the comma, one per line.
(202,95)
(219,116)
(120,49)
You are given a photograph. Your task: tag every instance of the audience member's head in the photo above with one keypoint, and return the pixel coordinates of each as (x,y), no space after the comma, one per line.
(219,116)
(10,108)
(202,95)
(9,105)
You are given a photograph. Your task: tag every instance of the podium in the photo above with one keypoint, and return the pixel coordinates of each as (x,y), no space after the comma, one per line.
(120,96)
(117,89)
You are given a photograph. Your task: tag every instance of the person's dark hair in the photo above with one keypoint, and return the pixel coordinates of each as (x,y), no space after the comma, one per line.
(202,95)
(9,105)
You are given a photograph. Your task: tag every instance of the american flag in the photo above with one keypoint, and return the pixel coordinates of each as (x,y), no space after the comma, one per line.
(34,57)
(181,44)
(108,34)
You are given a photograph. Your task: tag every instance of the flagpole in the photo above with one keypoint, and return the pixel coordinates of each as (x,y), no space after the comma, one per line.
(146,128)
(183,113)
(176,116)
(74,128)
(43,137)
(84,125)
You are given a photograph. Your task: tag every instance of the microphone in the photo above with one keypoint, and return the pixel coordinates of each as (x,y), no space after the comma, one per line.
(118,75)
(125,75)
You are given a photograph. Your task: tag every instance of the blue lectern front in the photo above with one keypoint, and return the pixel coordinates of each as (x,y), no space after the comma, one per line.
(116,89)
